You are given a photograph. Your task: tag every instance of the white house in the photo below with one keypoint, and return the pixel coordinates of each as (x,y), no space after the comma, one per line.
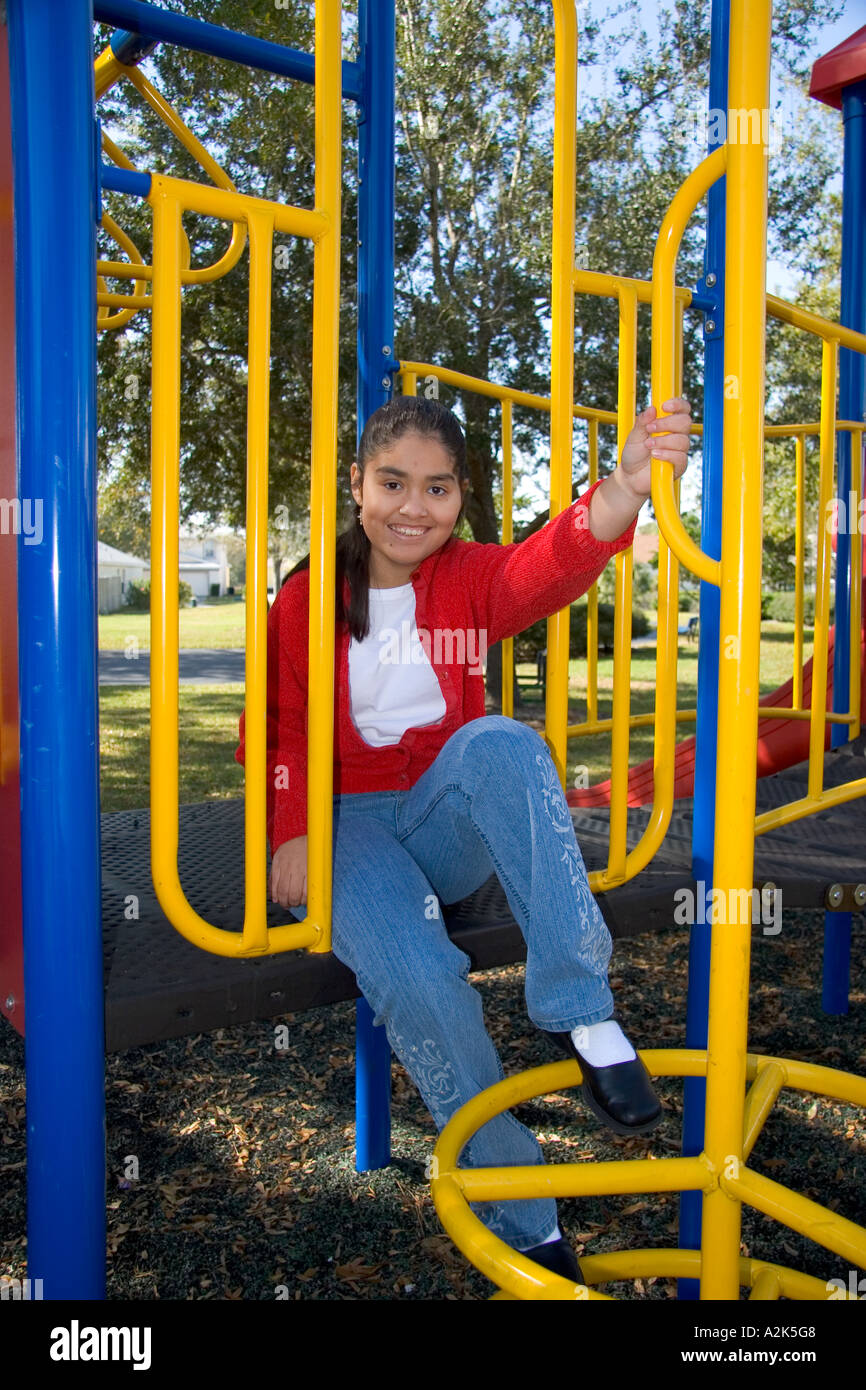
(115,572)
(203,562)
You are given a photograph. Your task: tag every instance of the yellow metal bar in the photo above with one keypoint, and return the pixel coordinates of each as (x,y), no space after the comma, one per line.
(817,729)
(507,538)
(786,712)
(409,381)
(799,567)
(561,354)
(462,382)
(825,1227)
(106,71)
(636,721)
(261,230)
(609,287)
(591,605)
(582,1179)
(739,647)
(621,704)
(520,1277)
(767,1287)
(808,805)
(815,324)
(856,592)
(665,357)
(759,1102)
(165,452)
(323,492)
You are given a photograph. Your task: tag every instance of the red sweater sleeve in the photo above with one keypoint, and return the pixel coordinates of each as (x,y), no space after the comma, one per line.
(288,620)
(513,586)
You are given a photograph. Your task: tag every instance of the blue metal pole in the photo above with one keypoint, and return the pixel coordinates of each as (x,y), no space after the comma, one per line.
(703,824)
(51,62)
(136,19)
(852,400)
(376,362)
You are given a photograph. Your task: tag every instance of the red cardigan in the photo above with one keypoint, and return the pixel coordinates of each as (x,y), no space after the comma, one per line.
(491,591)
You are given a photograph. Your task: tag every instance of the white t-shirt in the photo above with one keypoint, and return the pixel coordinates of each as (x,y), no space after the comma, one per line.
(392,685)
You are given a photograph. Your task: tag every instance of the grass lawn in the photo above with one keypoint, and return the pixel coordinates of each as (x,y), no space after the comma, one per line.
(216,625)
(209,720)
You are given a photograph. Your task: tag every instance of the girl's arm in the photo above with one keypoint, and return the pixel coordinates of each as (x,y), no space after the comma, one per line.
(512,586)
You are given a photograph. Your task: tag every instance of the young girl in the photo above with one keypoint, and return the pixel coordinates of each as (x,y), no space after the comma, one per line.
(432,796)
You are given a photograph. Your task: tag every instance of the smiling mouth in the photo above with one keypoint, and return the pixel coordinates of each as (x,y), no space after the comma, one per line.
(410,533)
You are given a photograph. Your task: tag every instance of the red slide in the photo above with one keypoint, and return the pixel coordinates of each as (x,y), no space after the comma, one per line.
(781,743)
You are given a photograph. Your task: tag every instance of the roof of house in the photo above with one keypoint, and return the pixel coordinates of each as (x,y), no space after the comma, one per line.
(108,555)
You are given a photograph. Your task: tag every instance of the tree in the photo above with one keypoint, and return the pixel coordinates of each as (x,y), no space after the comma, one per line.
(474,169)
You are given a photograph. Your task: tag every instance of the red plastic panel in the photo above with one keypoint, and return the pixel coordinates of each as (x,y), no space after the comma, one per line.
(11,952)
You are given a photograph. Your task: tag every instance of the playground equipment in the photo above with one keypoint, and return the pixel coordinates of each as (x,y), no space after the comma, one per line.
(56,174)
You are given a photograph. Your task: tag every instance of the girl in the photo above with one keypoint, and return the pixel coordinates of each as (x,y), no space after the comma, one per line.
(432,796)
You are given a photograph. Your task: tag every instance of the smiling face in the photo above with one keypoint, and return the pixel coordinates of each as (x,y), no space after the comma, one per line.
(410,498)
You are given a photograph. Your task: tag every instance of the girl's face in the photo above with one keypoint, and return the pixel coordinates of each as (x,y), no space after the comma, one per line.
(410,499)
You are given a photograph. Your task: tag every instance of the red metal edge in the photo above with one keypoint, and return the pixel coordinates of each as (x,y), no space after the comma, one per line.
(11,935)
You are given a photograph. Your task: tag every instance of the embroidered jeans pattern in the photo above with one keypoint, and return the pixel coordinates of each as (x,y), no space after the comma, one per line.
(490,803)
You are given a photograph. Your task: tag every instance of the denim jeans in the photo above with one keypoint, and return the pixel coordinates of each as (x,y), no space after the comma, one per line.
(491,802)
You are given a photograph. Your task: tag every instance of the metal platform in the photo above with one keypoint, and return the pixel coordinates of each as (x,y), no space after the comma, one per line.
(159,986)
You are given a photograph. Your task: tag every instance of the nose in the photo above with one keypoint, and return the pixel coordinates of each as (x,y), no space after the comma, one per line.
(414,507)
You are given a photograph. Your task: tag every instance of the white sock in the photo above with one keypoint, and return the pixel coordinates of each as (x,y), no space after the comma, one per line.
(557,1235)
(603,1044)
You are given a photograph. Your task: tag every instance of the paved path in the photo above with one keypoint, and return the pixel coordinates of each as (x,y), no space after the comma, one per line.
(197,667)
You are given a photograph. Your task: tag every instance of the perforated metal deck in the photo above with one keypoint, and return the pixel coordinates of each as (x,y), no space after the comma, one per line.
(159,986)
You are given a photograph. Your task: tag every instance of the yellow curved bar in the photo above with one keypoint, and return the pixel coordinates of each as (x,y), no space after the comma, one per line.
(168,198)
(103,297)
(167,113)
(664,357)
(591,604)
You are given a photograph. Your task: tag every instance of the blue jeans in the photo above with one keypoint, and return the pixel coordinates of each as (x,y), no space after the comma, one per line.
(491,802)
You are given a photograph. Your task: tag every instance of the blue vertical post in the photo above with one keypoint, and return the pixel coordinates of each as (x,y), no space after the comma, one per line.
(703,825)
(376,362)
(51,69)
(852,400)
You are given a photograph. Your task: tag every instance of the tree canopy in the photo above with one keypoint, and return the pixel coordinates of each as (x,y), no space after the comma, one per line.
(474,178)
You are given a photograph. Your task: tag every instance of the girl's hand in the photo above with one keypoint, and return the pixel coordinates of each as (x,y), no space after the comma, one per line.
(288,883)
(646,440)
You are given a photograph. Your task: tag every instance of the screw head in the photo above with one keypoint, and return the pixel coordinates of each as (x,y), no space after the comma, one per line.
(10,1002)
(860,894)
(710,326)
(835,894)
(386,381)
(711,279)
(386,351)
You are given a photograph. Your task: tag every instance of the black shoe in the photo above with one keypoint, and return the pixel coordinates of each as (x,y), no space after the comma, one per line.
(558,1257)
(620,1095)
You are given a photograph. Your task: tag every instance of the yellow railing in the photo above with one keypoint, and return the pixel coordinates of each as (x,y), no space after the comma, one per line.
(259,220)
(107,70)
(733,1120)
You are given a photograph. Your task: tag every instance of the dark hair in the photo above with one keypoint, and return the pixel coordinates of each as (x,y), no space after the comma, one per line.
(402,415)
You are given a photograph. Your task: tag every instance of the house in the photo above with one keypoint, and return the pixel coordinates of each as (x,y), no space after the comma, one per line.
(204,562)
(115,572)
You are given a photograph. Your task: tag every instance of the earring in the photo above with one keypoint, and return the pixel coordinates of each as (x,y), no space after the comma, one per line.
(360,522)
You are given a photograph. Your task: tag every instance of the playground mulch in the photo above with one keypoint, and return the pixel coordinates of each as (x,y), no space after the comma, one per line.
(244,1150)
